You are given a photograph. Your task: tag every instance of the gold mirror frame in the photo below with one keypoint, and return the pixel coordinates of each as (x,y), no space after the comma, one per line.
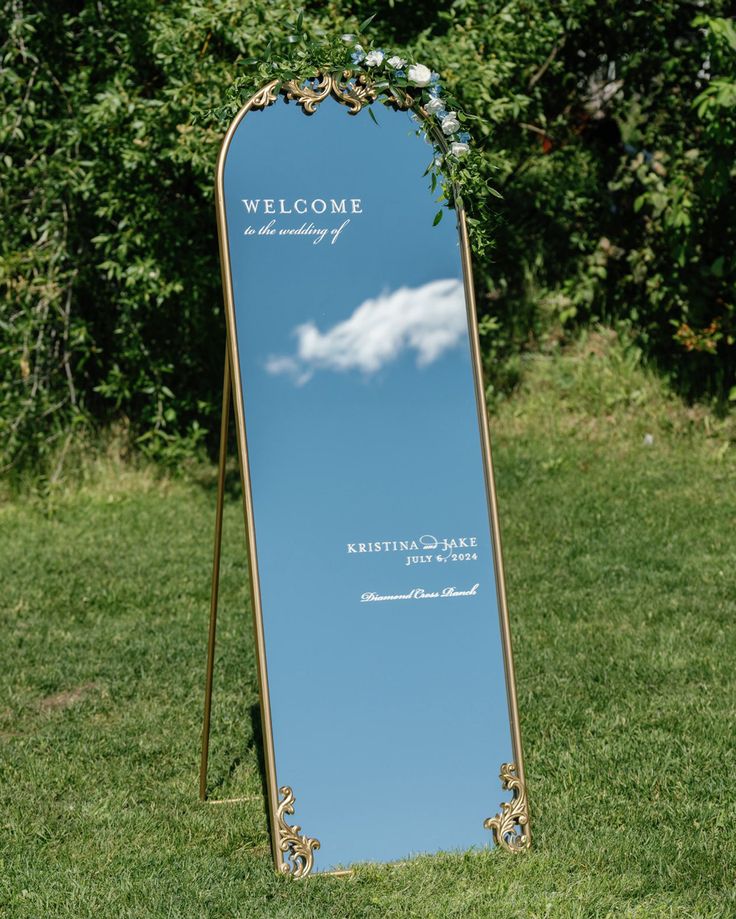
(293,852)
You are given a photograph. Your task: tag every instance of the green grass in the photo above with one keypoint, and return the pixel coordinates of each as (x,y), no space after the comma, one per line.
(620,566)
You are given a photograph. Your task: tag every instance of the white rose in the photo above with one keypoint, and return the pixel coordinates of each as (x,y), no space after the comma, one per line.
(419,75)
(396,62)
(449,123)
(458,148)
(435,105)
(374,58)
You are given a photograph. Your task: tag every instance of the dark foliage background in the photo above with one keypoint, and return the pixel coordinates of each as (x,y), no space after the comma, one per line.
(608,125)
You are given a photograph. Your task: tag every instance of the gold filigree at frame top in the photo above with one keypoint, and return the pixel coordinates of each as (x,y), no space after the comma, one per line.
(353,91)
(510,828)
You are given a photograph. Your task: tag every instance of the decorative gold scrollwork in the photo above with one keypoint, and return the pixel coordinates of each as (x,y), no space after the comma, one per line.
(298,849)
(508,826)
(310,93)
(266,95)
(352,91)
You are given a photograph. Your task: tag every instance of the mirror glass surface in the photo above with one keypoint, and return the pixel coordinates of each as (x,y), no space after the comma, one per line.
(385,661)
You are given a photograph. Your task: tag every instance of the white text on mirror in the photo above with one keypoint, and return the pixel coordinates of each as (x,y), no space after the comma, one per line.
(303,206)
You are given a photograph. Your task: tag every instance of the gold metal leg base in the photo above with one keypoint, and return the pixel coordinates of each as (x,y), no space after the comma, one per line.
(214,592)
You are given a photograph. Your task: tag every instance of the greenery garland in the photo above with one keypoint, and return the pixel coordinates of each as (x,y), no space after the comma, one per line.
(456,168)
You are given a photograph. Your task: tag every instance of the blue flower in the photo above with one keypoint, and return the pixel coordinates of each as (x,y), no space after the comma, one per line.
(463,137)
(358,56)
(435,90)
(399,74)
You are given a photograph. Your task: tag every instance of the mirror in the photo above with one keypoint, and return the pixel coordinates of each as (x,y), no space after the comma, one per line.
(386,675)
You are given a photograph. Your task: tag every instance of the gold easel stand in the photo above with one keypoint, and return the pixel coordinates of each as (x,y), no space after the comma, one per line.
(215,589)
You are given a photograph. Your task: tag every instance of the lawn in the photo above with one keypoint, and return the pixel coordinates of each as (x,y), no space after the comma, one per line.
(618,514)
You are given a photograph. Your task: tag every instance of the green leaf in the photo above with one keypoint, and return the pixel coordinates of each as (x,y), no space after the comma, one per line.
(371,113)
(366,22)
(437,217)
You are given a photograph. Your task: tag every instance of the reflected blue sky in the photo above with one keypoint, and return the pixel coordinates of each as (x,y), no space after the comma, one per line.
(390,716)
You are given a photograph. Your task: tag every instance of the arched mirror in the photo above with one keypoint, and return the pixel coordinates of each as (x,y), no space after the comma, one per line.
(389,717)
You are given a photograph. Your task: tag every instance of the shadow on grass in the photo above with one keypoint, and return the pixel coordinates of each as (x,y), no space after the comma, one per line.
(216,786)
(256,743)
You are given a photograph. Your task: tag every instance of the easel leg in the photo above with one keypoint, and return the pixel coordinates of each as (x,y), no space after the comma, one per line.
(214,593)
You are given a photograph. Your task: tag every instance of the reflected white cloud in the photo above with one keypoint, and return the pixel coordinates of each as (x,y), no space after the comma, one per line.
(429,320)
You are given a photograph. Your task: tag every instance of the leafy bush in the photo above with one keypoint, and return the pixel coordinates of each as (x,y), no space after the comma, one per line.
(608,125)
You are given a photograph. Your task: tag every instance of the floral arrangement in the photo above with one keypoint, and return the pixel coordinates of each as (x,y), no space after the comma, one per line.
(457,168)
(396,71)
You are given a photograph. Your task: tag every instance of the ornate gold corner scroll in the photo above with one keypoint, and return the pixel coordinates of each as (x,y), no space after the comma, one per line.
(298,849)
(508,826)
